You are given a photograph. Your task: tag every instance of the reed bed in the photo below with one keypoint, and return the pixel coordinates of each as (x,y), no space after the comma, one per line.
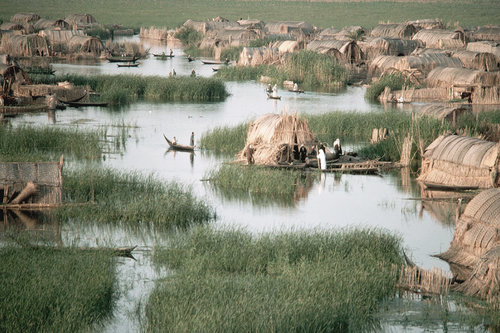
(124,89)
(132,199)
(27,143)
(231,281)
(54,290)
(225,139)
(262,186)
(395,81)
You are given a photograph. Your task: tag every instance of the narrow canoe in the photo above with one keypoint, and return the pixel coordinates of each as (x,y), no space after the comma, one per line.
(213,62)
(128,65)
(296,91)
(163,55)
(122,59)
(78,104)
(272,97)
(176,146)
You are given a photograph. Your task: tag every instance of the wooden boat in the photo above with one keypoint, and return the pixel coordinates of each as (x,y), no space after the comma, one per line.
(176,146)
(213,62)
(79,104)
(128,65)
(163,55)
(122,59)
(296,91)
(270,96)
(215,69)
(444,187)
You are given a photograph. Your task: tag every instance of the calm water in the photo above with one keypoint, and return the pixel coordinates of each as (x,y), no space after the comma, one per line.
(331,202)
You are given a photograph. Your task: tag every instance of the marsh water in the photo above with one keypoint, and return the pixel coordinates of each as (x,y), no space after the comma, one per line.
(331,201)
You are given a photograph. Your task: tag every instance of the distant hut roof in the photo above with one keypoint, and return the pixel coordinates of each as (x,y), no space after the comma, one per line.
(274,135)
(441,111)
(448,77)
(349,49)
(252,23)
(427,24)
(382,64)
(25,18)
(24,45)
(485,46)
(477,60)
(421,65)
(253,56)
(344,34)
(491,33)
(228,37)
(476,246)
(286,46)
(288,27)
(79,21)
(11,26)
(220,19)
(397,30)
(86,44)
(440,39)
(454,161)
(328,33)
(60,36)
(206,26)
(388,46)
(42,24)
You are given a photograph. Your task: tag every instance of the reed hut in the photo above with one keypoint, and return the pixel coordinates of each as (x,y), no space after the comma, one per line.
(24,45)
(396,30)
(490,33)
(485,47)
(12,26)
(80,21)
(86,45)
(253,56)
(345,34)
(482,87)
(375,47)
(252,24)
(441,39)
(474,253)
(25,18)
(442,112)
(11,74)
(273,137)
(58,40)
(350,51)
(382,64)
(287,46)
(427,24)
(461,162)
(478,60)
(228,37)
(206,26)
(296,28)
(43,24)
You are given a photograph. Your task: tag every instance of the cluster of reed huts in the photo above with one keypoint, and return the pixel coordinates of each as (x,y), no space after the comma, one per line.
(445,64)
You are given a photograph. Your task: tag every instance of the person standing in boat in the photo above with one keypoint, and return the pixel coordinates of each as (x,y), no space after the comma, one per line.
(275,90)
(337,148)
(295,87)
(191,142)
(322,157)
(174,141)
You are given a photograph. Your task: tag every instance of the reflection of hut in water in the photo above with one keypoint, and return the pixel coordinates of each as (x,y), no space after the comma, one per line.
(444,206)
(274,136)
(474,253)
(454,161)
(35,226)
(24,45)
(38,183)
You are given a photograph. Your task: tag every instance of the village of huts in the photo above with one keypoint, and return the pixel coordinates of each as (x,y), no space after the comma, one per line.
(153,86)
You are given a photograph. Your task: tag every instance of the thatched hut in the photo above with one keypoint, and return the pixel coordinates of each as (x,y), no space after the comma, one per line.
(206,26)
(86,45)
(42,24)
(228,37)
(252,24)
(273,137)
(483,87)
(11,74)
(24,45)
(25,18)
(13,26)
(345,34)
(374,47)
(287,46)
(474,253)
(485,47)
(456,162)
(80,21)
(351,52)
(296,28)
(441,39)
(396,30)
(478,60)
(253,56)
(442,112)
(427,24)
(491,33)
(58,40)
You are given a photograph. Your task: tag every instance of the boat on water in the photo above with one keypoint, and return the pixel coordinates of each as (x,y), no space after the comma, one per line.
(298,91)
(128,65)
(270,96)
(81,104)
(213,62)
(176,146)
(215,69)
(190,59)
(163,55)
(122,59)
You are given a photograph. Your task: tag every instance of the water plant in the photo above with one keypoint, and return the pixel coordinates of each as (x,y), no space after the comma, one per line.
(395,81)
(230,280)
(224,139)
(131,198)
(54,290)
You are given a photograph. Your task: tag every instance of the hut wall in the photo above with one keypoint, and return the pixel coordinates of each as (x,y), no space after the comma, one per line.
(253,56)
(461,161)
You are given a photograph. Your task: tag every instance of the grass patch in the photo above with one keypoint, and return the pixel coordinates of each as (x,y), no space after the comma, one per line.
(395,81)
(307,68)
(48,143)
(124,89)
(231,281)
(225,139)
(54,290)
(262,186)
(131,198)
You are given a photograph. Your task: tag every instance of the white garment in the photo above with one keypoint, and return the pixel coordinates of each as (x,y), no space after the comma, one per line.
(295,87)
(322,159)
(275,91)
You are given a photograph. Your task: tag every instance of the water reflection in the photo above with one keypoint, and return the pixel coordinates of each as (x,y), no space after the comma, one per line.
(30,227)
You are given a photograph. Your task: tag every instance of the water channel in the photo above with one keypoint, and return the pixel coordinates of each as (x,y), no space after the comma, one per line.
(332,201)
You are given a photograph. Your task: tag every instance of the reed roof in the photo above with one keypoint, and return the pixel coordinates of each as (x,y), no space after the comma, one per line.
(80,20)
(24,45)
(60,36)
(440,38)
(491,33)
(440,111)
(253,56)
(270,134)
(286,46)
(427,24)
(396,30)
(485,46)
(483,61)
(11,26)
(25,18)
(51,24)
(441,76)
(286,27)
(390,46)
(86,44)
(349,49)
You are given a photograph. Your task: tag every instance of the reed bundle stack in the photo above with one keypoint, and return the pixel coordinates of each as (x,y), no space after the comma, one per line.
(395,30)
(459,162)
(474,252)
(273,136)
